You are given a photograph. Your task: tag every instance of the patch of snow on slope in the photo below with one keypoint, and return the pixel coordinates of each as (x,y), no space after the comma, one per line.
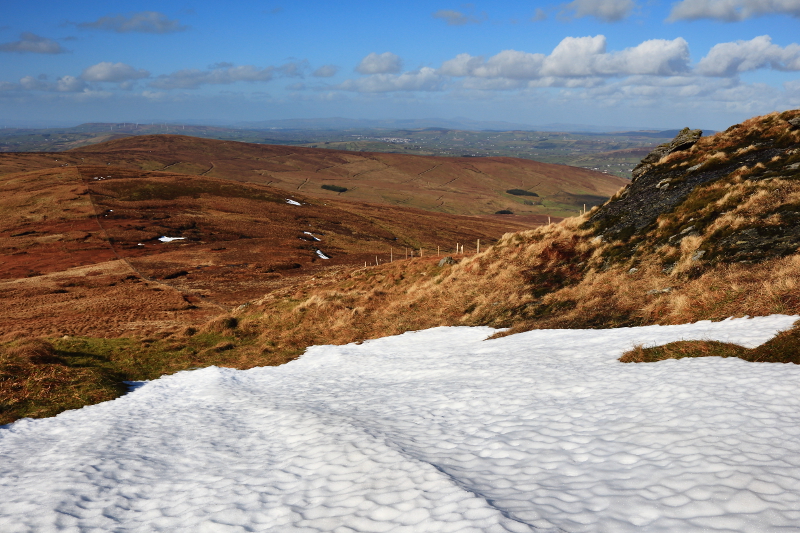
(292,202)
(322,254)
(170,239)
(437,430)
(312,235)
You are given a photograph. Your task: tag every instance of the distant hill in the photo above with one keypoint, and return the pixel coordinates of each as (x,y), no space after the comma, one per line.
(457,185)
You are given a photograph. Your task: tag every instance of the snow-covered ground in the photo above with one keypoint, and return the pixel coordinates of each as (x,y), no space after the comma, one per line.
(437,431)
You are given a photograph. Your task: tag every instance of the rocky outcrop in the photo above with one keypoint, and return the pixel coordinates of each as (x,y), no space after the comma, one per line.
(685,139)
(769,149)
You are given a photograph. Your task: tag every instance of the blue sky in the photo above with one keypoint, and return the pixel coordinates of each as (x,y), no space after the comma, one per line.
(647,63)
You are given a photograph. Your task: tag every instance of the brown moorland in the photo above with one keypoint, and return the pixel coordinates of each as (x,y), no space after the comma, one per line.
(82,253)
(727,246)
(455,185)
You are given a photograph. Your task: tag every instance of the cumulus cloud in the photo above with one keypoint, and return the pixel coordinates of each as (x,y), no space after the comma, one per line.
(577,57)
(29,83)
(70,84)
(424,79)
(113,72)
(732,10)
(385,63)
(729,59)
(325,71)
(605,10)
(455,18)
(141,22)
(32,43)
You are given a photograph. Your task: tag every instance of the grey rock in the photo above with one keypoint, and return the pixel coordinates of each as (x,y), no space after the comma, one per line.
(698,255)
(794,123)
(447,261)
(660,291)
(633,270)
(684,140)
(793,166)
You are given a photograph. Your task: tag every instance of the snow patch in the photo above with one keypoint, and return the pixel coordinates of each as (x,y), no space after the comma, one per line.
(292,202)
(436,430)
(322,255)
(312,236)
(170,239)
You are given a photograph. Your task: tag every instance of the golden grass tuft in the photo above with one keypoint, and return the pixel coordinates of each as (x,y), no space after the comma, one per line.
(783,348)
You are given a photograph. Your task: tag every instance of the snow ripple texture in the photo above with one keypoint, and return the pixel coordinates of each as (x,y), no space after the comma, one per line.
(438,430)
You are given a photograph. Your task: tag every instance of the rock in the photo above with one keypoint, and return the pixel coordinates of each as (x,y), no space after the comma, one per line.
(794,123)
(698,255)
(447,261)
(660,291)
(684,140)
(633,270)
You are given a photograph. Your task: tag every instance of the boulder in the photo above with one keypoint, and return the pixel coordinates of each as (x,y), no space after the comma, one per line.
(794,123)
(447,261)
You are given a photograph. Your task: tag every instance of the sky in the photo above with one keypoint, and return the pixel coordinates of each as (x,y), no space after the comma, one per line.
(607,63)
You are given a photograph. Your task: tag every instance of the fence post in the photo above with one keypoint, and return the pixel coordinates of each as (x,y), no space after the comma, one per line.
(479,246)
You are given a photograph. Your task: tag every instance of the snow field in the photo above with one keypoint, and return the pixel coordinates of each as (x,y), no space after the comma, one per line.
(438,430)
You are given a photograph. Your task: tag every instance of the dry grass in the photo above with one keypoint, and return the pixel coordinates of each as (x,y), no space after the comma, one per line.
(783,348)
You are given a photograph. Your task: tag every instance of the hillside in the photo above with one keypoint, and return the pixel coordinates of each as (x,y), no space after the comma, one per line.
(455,185)
(707,230)
(83,249)
(659,252)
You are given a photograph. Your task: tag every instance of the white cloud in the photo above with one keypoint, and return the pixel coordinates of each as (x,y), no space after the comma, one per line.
(224,74)
(424,79)
(32,43)
(70,84)
(577,57)
(141,22)
(113,72)
(385,63)
(461,65)
(729,59)
(511,64)
(732,10)
(325,71)
(29,83)
(605,10)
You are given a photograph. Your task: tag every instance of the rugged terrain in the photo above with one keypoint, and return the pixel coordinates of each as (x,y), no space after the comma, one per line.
(707,230)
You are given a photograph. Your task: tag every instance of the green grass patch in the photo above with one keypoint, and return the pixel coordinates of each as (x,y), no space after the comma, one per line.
(40,378)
